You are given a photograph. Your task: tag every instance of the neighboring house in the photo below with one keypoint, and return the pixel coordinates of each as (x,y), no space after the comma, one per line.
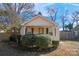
(40,25)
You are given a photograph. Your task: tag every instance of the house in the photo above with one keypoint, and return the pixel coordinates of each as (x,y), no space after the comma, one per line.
(40,25)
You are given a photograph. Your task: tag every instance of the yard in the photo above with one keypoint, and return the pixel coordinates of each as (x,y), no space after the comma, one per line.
(66,48)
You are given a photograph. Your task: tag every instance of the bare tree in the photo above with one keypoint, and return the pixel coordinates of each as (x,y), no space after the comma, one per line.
(52,12)
(64,19)
(14,11)
(3,19)
(63,22)
(68,20)
(75,16)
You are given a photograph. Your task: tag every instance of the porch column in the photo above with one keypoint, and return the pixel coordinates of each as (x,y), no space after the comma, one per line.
(22,30)
(44,30)
(29,29)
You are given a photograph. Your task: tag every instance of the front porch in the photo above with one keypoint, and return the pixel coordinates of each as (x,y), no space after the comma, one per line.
(38,30)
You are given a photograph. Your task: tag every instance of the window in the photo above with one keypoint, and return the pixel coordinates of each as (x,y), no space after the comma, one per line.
(46,30)
(50,33)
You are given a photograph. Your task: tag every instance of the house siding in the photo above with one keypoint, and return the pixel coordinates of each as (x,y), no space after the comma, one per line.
(40,23)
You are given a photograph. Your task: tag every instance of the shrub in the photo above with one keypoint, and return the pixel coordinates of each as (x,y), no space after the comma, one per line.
(28,40)
(39,41)
(43,42)
(14,34)
(55,43)
(13,38)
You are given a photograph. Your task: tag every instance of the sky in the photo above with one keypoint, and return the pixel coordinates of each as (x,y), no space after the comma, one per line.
(60,7)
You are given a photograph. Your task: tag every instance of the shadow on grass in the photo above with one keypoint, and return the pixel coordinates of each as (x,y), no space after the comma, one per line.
(31,51)
(36,51)
(18,51)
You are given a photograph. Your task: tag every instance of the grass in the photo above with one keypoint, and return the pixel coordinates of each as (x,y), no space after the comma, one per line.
(65,48)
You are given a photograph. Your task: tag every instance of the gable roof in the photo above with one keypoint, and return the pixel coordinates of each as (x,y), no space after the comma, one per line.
(38,23)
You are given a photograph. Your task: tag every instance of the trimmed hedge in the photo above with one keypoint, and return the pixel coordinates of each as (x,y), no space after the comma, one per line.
(43,42)
(55,43)
(39,41)
(28,40)
(31,40)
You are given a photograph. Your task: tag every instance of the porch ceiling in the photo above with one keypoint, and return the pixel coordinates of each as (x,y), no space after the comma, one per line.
(39,26)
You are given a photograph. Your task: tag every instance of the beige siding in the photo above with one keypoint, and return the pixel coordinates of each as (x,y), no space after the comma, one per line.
(56,34)
(41,22)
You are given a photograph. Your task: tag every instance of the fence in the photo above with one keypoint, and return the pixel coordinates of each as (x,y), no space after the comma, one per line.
(67,35)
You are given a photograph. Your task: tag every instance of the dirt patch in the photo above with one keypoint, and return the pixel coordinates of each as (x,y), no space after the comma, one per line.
(66,48)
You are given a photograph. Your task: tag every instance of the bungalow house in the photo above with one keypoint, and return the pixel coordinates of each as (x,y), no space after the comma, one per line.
(41,25)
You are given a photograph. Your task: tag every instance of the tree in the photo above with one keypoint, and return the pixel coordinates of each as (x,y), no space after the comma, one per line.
(75,16)
(14,10)
(39,13)
(3,22)
(3,12)
(64,19)
(69,26)
(28,15)
(52,12)
(3,19)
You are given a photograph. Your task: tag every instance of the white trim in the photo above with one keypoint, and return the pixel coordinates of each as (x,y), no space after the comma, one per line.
(22,31)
